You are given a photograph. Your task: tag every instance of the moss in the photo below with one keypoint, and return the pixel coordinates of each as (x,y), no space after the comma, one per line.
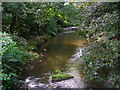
(61,76)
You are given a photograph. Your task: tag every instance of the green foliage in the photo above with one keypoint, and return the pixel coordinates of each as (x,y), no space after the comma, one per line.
(13,60)
(100,17)
(35,18)
(101,57)
(36,22)
(102,61)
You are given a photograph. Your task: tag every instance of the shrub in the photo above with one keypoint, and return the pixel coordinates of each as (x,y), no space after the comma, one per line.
(13,60)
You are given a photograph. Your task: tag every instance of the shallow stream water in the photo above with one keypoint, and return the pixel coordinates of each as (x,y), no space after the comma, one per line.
(62,54)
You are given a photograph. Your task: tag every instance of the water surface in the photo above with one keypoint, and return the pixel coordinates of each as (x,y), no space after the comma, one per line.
(62,52)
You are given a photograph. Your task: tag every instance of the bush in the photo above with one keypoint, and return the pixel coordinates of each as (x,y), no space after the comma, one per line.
(101,58)
(102,62)
(13,60)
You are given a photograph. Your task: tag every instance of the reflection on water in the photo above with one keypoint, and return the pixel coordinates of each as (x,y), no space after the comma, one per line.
(62,52)
(59,50)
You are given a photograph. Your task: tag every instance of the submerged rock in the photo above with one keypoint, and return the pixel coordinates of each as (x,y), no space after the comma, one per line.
(60,77)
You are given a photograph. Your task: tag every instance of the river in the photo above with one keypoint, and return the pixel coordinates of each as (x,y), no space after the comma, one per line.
(63,52)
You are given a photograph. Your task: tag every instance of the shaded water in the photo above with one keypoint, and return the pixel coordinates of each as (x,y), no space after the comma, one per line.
(62,52)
